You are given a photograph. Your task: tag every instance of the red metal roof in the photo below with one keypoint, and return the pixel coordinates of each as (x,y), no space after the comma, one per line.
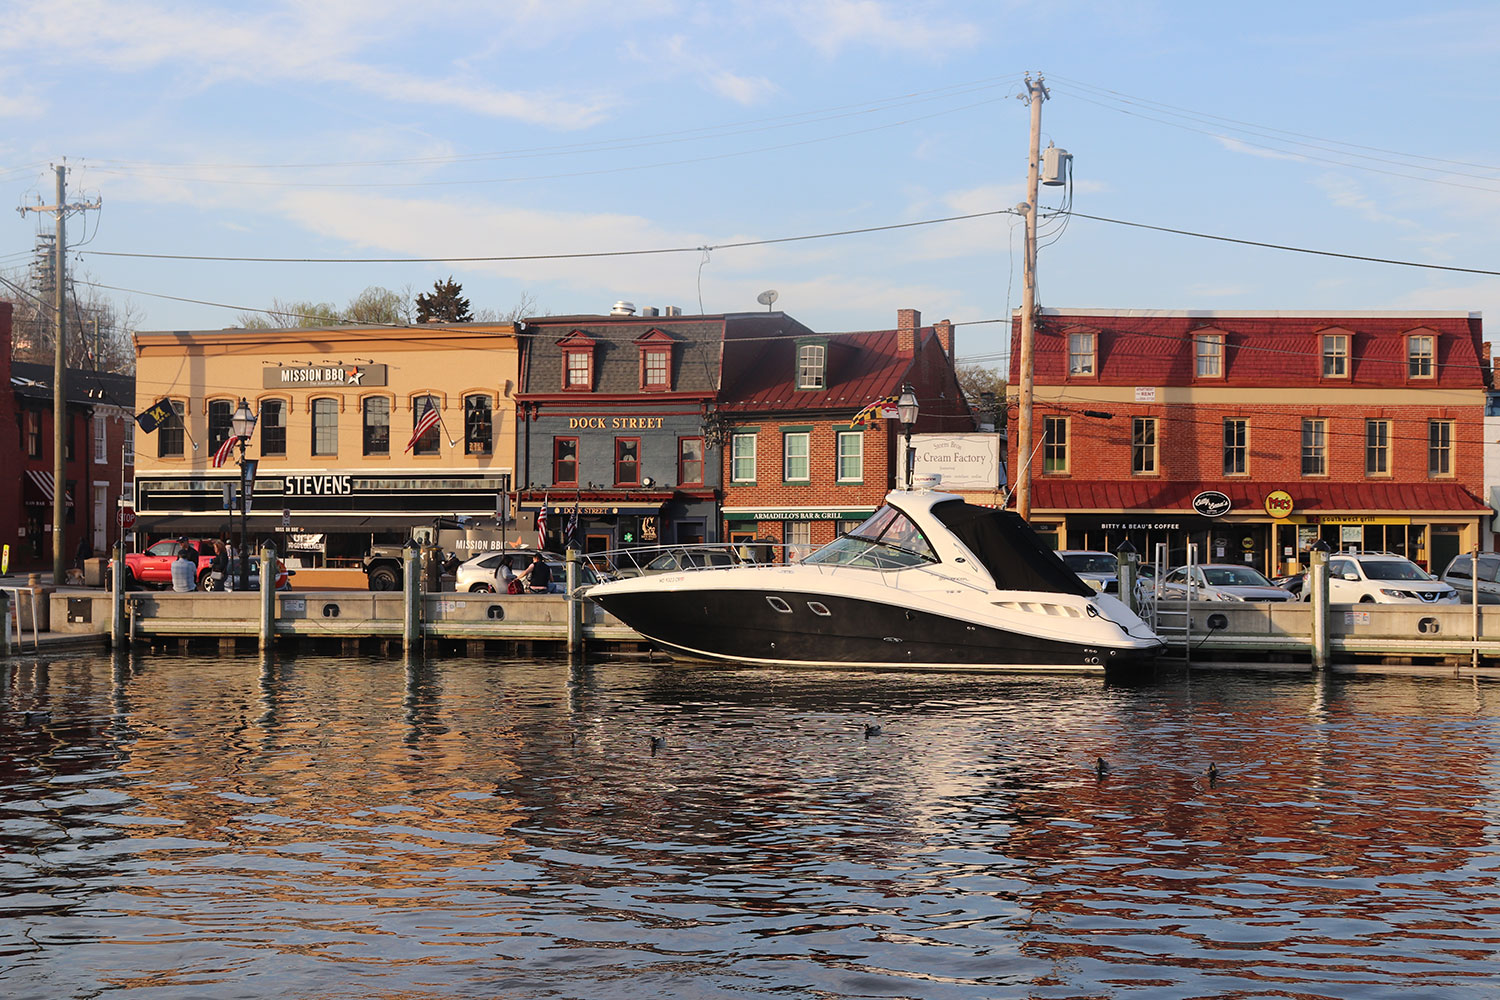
(1249,497)
(761,375)
(1139,347)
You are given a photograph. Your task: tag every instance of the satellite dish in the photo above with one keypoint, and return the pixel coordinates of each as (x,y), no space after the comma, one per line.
(766,297)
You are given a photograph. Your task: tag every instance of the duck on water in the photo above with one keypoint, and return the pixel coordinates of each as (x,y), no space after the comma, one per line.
(927,582)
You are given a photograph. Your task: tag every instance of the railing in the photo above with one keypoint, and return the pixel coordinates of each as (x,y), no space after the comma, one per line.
(683,557)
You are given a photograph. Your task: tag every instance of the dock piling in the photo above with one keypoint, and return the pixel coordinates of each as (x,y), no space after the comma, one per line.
(411,621)
(1317,581)
(117,636)
(267,598)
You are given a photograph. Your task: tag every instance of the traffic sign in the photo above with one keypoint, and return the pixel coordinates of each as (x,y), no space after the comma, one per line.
(126,517)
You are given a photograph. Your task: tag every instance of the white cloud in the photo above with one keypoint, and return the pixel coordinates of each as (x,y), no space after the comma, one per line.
(831,26)
(1236,146)
(299,44)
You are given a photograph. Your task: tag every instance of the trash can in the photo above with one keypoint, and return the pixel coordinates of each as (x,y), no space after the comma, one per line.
(94,572)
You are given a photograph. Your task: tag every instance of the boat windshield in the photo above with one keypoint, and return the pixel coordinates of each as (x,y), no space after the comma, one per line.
(888,540)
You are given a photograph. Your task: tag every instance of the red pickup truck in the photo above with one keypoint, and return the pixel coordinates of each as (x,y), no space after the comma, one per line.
(153,567)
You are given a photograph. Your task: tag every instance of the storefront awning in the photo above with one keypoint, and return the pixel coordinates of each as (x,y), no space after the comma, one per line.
(215,522)
(1061,497)
(39,489)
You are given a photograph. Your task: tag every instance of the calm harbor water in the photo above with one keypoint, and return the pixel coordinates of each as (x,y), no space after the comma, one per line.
(179,826)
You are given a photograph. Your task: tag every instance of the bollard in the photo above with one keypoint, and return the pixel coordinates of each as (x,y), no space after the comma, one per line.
(117,598)
(575,619)
(411,591)
(1317,580)
(1474,596)
(267,599)
(1130,561)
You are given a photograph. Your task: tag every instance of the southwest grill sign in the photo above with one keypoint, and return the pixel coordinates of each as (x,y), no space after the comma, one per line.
(323,376)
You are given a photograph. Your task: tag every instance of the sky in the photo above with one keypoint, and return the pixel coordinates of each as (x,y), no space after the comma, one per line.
(575,136)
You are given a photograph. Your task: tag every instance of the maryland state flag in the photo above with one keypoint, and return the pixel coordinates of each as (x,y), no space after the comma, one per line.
(873,412)
(155,416)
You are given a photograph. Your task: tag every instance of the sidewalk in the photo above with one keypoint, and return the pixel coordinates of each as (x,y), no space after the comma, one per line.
(53,639)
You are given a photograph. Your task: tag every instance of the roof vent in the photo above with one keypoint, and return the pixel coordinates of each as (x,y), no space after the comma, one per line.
(672,310)
(622,308)
(649,311)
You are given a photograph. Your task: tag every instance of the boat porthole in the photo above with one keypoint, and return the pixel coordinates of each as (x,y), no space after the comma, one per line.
(818,609)
(779,605)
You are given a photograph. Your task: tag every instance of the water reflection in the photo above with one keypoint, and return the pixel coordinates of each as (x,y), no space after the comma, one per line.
(181,826)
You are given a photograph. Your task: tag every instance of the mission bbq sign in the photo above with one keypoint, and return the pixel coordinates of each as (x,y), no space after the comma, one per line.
(324,376)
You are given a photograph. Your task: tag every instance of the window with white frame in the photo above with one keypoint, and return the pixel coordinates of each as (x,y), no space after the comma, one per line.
(798,539)
(811,366)
(851,456)
(1377,447)
(1335,355)
(1236,446)
(101,441)
(1439,448)
(1082,354)
(1208,348)
(1143,446)
(1419,356)
(742,457)
(128,449)
(795,456)
(1054,444)
(1314,446)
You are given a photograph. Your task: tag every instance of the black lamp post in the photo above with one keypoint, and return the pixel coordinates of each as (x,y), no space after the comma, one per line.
(906,413)
(242,425)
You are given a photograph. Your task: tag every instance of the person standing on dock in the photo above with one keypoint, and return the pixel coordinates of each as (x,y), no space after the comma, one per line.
(537,578)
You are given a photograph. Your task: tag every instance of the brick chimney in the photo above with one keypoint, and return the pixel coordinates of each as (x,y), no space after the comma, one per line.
(907,322)
(944,330)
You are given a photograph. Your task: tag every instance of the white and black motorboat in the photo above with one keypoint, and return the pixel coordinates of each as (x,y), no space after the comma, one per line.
(928,582)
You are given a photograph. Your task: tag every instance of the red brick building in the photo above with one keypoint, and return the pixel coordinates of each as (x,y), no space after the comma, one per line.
(795,467)
(98,464)
(1362,429)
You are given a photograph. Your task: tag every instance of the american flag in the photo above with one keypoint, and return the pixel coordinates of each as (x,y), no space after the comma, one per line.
(222,455)
(428,422)
(570,534)
(541,526)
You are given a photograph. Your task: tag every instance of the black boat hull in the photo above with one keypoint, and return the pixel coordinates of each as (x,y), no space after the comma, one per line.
(744,626)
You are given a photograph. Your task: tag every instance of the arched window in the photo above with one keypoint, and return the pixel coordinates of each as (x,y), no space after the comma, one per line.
(377,421)
(478,425)
(325,426)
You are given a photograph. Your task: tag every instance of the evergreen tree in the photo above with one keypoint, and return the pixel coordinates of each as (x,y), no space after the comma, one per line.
(446,304)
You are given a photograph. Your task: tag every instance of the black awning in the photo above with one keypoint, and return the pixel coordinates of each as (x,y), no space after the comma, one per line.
(218,522)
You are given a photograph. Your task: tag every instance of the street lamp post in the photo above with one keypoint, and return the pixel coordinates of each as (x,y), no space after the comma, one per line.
(242,425)
(906,413)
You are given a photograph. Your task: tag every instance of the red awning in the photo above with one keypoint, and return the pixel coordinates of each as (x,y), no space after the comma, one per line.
(39,489)
(1073,496)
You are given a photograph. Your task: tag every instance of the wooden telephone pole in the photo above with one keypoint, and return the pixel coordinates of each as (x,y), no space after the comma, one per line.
(1036,93)
(60,211)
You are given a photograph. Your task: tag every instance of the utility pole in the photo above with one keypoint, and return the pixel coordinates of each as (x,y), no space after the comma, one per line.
(59,212)
(1036,93)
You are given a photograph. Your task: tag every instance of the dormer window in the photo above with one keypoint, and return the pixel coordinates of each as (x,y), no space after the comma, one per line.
(1208,349)
(1421,355)
(1335,355)
(812,366)
(656,361)
(577,362)
(1083,353)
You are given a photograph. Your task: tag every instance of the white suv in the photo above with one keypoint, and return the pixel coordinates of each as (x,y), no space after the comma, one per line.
(1382,578)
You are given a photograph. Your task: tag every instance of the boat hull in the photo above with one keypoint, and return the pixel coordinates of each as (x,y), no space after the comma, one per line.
(742,626)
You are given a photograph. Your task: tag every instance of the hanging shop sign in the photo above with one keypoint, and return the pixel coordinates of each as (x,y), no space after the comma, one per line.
(317,486)
(614,423)
(1212,503)
(1278,503)
(323,376)
(798,515)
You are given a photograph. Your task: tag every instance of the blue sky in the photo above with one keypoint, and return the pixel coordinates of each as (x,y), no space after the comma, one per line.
(366,128)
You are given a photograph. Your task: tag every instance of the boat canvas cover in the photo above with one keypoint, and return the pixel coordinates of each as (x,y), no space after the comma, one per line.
(1007,546)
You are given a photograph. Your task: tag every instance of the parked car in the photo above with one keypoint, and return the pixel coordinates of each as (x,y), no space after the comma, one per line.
(1100,570)
(1291,583)
(152,567)
(1382,578)
(1221,582)
(481,574)
(1459,574)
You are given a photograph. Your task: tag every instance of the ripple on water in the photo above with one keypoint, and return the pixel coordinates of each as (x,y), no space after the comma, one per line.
(355,827)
